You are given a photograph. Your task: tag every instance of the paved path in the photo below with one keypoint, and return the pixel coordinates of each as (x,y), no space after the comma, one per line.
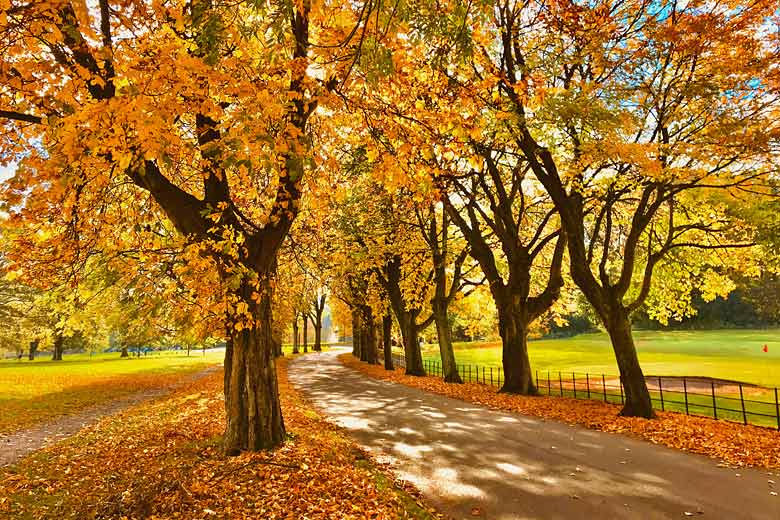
(16,445)
(472,462)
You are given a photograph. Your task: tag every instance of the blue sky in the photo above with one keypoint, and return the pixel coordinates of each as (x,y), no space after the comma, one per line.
(6,171)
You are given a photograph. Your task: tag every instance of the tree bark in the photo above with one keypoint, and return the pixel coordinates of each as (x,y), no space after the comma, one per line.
(295,334)
(514,337)
(305,333)
(638,402)
(318,310)
(59,341)
(355,333)
(318,336)
(387,340)
(33,349)
(276,338)
(124,352)
(368,337)
(365,346)
(254,416)
(412,354)
(444,332)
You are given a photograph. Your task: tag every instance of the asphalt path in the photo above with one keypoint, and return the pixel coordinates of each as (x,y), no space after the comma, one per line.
(472,462)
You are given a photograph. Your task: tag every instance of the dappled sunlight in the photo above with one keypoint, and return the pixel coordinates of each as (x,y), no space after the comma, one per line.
(408,450)
(503,464)
(512,469)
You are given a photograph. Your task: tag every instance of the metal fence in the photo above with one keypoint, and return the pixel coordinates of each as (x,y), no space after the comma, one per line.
(706,397)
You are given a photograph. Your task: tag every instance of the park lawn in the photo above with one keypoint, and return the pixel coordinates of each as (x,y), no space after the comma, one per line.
(35,391)
(162,459)
(726,354)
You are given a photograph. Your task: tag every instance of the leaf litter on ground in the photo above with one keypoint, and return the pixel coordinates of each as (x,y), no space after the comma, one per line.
(162,459)
(731,443)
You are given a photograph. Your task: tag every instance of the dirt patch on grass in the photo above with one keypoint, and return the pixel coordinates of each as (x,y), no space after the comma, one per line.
(702,385)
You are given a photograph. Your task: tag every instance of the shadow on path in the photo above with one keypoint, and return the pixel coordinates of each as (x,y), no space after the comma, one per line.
(463,456)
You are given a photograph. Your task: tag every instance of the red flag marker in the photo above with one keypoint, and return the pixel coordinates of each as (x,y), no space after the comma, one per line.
(766,348)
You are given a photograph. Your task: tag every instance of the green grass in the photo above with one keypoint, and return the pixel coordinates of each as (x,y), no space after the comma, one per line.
(725,354)
(34,391)
(734,355)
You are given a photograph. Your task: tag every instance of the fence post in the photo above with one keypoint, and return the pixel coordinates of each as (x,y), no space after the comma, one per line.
(470,378)
(685,391)
(574,384)
(661,392)
(483,375)
(549,391)
(714,402)
(777,409)
(587,383)
(742,400)
(604,386)
(560,383)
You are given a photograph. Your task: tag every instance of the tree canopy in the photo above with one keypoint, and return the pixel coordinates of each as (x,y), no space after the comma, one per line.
(219,170)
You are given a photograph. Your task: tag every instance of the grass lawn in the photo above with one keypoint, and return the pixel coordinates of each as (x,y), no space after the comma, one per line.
(34,391)
(727,354)
(735,355)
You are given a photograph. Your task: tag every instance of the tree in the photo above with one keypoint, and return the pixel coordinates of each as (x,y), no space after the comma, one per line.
(318,308)
(444,124)
(449,279)
(628,168)
(191,115)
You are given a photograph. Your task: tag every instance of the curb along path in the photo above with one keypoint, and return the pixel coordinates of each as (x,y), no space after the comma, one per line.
(472,462)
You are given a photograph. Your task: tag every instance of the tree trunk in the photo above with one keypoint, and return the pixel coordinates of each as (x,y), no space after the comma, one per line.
(59,341)
(254,416)
(318,337)
(124,352)
(318,327)
(277,342)
(368,338)
(412,354)
(188,350)
(387,340)
(638,403)
(355,333)
(365,346)
(33,349)
(444,332)
(514,338)
(295,335)
(305,333)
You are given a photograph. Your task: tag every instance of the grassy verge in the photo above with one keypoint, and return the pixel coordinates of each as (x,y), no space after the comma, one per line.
(162,460)
(733,444)
(727,354)
(35,391)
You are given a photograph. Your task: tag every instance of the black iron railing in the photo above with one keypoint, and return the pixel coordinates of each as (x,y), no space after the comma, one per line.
(707,397)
